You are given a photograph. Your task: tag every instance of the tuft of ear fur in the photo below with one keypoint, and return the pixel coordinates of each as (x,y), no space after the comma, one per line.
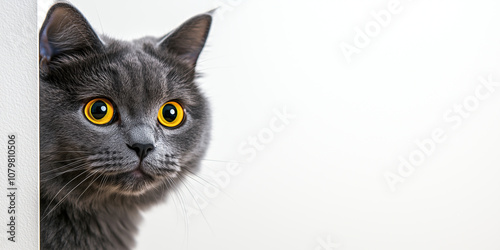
(65,31)
(188,40)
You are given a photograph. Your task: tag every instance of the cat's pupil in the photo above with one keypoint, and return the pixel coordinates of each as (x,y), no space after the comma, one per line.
(169,112)
(99,110)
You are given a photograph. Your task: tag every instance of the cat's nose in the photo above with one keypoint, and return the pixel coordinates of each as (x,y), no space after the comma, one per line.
(142,150)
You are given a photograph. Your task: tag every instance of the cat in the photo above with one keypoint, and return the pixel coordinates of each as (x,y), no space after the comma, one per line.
(121,125)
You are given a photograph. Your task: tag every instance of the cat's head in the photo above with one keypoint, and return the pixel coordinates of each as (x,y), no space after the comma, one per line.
(118,118)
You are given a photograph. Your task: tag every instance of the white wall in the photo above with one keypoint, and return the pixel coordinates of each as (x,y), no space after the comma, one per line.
(18,126)
(320,181)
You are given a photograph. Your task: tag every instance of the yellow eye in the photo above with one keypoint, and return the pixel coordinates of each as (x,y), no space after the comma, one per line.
(171,114)
(99,111)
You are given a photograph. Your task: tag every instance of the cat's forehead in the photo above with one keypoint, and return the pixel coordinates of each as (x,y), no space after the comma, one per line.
(138,71)
(134,76)
(134,67)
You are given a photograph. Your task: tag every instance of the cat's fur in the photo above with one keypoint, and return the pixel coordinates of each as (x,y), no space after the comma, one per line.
(89,197)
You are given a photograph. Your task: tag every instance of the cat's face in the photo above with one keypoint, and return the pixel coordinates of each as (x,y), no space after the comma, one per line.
(123,118)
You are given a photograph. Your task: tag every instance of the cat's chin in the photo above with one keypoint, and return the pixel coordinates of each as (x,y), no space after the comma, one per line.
(138,182)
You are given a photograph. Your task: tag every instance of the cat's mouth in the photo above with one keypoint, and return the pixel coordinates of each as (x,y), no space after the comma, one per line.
(134,182)
(143,178)
(140,177)
(142,171)
(138,172)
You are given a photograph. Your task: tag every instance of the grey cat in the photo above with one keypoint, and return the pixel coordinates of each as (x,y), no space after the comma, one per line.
(121,124)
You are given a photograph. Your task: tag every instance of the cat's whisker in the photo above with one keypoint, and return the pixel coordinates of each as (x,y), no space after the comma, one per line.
(55,176)
(102,31)
(211,58)
(76,162)
(193,177)
(57,154)
(170,186)
(101,184)
(69,160)
(196,202)
(64,197)
(106,178)
(197,190)
(90,184)
(222,161)
(193,174)
(65,151)
(72,151)
(183,207)
(64,187)
(185,215)
(81,166)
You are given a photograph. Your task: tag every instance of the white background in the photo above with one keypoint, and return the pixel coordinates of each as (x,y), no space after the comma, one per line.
(320,182)
(19,117)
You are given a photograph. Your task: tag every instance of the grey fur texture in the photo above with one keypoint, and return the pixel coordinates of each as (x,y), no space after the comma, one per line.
(93,184)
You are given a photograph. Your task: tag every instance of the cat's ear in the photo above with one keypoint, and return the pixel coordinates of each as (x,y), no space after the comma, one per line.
(65,31)
(188,40)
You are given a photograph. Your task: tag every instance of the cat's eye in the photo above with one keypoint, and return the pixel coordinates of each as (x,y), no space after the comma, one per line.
(99,111)
(171,114)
